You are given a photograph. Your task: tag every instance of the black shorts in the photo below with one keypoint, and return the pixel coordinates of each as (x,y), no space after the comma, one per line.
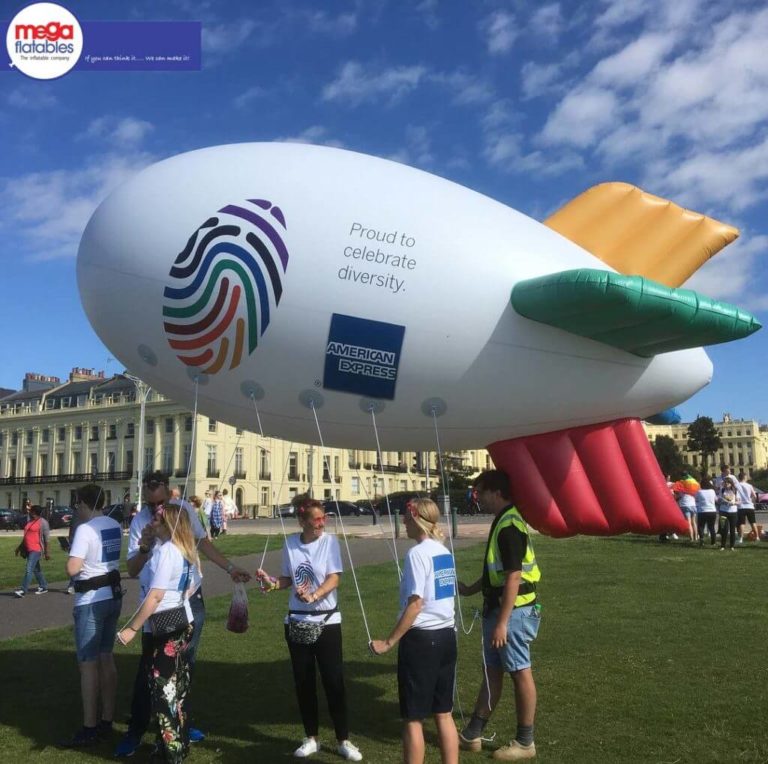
(426,669)
(747,514)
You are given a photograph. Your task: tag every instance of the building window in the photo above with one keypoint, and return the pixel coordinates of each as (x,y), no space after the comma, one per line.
(28,466)
(95,432)
(149,427)
(264,496)
(129,429)
(59,464)
(43,464)
(61,434)
(168,458)
(112,432)
(188,423)
(77,462)
(15,439)
(211,425)
(355,486)
(293,466)
(187,457)
(111,463)
(78,432)
(12,472)
(169,424)
(28,437)
(211,461)
(149,459)
(2,435)
(264,464)
(239,470)
(46,436)
(94,464)
(129,461)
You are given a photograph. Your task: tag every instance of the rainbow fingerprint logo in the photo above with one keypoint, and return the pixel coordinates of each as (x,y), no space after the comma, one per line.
(224,284)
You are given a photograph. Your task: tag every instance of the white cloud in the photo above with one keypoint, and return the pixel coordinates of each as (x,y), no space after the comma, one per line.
(538,79)
(500,32)
(224,38)
(355,85)
(634,62)
(119,131)
(247,97)
(418,148)
(321,22)
(581,117)
(48,211)
(730,275)
(33,99)
(316,134)
(466,89)
(547,21)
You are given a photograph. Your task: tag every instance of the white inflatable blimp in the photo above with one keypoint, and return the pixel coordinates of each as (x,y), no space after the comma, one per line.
(300,284)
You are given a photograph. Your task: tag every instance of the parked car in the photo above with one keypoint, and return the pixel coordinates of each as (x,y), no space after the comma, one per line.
(59,517)
(116,512)
(762,498)
(11,520)
(343,508)
(398,501)
(365,506)
(286,510)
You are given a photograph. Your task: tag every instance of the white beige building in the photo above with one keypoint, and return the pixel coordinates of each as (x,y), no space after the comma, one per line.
(56,436)
(745,443)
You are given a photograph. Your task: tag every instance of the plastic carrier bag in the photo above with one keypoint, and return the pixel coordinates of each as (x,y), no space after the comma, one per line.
(237,621)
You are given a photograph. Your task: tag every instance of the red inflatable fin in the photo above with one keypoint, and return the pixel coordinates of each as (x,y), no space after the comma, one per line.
(599,480)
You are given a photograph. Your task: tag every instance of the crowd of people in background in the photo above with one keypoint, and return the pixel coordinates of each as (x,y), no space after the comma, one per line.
(723,505)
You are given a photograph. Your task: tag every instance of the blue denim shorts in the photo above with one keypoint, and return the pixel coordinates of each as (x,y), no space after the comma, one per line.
(95,628)
(522,628)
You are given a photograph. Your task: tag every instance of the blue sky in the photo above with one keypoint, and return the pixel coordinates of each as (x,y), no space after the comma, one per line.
(529,103)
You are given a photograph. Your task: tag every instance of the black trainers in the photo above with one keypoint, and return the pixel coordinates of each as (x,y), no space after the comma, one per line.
(84,737)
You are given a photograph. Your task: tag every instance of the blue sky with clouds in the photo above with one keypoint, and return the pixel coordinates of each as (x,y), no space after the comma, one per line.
(529,103)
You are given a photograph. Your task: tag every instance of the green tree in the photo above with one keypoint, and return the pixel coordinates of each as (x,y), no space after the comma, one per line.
(703,439)
(669,457)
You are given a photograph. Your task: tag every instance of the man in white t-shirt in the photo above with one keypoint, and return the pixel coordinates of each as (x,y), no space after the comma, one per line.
(230,508)
(141,543)
(93,564)
(747,498)
(208,506)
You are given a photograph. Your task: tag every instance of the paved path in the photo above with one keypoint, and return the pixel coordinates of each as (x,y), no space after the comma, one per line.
(52,610)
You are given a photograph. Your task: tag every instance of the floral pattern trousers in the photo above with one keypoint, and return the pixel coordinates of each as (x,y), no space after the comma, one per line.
(169,681)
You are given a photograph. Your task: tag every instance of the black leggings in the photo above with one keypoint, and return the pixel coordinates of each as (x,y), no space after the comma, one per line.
(706,519)
(326,653)
(729,522)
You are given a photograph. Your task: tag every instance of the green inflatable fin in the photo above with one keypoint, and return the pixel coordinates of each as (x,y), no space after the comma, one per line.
(631,313)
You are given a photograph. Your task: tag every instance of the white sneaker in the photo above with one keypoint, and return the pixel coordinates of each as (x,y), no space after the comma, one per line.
(19,593)
(307,748)
(70,590)
(348,751)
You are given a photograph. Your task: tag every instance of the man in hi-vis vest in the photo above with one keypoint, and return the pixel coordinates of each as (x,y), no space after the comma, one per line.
(511,618)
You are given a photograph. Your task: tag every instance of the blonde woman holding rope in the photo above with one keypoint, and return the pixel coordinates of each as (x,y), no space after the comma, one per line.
(426,660)
(165,616)
(312,570)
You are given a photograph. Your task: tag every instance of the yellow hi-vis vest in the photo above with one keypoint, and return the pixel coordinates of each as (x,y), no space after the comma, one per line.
(530,573)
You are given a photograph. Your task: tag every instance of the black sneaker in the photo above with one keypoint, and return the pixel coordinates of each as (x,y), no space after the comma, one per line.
(84,737)
(105,729)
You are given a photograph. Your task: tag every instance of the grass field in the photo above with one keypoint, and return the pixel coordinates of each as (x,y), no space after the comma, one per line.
(647,653)
(12,568)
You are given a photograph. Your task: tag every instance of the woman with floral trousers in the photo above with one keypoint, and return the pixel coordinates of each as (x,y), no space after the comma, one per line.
(169,681)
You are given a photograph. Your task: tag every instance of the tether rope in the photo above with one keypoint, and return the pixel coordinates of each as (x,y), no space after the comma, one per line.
(343,529)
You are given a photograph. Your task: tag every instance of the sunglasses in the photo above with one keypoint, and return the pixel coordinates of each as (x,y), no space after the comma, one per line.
(153,485)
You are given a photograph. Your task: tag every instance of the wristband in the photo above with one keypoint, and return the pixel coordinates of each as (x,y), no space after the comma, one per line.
(143,549)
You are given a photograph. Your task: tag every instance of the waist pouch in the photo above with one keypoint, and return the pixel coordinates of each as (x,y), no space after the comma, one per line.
(307,632)
(111,579)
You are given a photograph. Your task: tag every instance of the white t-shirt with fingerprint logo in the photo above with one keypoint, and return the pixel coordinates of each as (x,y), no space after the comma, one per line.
(311,564)
(97,544)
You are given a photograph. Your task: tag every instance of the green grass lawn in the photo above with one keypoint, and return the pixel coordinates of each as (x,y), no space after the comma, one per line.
(12,568)
(647,653)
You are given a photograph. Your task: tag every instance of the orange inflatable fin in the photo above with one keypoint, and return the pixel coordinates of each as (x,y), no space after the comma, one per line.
(640,234)
(597,480)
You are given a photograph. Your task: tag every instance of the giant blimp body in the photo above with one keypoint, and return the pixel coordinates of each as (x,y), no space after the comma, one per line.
(316,290)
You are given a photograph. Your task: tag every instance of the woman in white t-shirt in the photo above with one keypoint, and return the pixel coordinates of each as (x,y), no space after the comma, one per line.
(93,565)
(312,570)
(706,510)
(426,660)
(165,582)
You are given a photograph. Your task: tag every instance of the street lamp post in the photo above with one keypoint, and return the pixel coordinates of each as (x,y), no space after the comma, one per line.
(142,393)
